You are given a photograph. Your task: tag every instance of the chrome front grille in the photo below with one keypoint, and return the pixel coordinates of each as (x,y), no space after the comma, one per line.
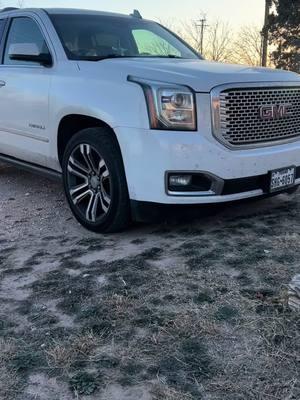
(238,119)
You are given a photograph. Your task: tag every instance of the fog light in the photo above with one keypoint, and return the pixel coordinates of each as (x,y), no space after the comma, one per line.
(180,180)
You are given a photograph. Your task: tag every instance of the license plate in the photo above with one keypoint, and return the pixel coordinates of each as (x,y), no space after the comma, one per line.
(282,178)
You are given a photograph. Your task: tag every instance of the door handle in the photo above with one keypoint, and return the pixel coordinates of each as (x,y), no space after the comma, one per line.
(2,83)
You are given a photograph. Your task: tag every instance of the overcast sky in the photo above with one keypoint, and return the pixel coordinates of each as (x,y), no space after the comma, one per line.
(237,12)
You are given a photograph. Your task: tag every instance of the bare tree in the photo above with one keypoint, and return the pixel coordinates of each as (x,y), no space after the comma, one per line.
(221,42)
(191,33)
(248,46)
(218,45)
(172,25)
(159,47)
(218,38)
(20,3)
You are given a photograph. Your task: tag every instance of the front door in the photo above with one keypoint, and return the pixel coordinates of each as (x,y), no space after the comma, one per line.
(24,97)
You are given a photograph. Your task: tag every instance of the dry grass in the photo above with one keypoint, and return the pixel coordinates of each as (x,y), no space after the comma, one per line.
(7,350)
(64,354)
(195,311)
(10,383)
(162,392)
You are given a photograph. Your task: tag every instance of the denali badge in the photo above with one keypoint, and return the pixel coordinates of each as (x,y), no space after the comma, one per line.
(36,126)
(275,112)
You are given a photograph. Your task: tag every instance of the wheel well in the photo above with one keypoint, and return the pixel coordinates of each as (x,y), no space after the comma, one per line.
(70,125)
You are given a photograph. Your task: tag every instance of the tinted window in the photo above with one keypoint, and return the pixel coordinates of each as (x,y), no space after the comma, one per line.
(2,26)
(87,37)
(24,30)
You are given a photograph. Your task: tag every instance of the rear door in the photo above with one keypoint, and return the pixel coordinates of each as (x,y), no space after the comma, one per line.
(24,96)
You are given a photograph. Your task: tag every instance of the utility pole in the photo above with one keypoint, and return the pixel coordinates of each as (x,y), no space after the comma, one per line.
(265,34)
(202,26)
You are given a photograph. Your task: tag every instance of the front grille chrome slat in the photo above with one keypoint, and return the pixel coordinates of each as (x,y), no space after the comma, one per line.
(237,120)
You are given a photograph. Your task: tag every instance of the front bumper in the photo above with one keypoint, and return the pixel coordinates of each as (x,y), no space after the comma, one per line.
(148,155)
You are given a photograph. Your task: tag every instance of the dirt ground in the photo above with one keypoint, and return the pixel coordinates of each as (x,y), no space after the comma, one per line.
(172,311)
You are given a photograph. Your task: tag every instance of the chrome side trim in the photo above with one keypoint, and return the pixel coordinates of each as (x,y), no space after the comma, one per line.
(228,197)
(216,114)
(191,194)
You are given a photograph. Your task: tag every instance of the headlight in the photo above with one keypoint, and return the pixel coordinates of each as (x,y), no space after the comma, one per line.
(170,107)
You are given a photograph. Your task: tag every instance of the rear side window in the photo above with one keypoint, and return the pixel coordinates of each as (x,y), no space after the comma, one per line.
(2,26)
(24,30)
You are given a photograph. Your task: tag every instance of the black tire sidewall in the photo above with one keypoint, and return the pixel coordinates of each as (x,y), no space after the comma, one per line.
(118,214)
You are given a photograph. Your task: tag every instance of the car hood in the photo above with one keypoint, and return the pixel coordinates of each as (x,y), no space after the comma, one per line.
(202,76)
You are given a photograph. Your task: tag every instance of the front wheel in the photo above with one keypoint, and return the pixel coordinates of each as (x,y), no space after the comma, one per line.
(94,181)
(293,190)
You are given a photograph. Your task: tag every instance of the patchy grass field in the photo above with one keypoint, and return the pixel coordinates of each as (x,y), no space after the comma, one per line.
(176,311)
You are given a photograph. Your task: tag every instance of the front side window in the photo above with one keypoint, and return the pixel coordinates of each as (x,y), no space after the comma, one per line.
(24,30)
(93,37)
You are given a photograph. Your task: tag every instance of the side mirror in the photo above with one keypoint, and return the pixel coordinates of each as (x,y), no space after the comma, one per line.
(29,52)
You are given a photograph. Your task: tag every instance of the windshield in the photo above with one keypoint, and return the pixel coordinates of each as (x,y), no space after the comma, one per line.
(95,37)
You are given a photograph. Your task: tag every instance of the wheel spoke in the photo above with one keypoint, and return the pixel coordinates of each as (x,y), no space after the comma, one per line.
(105,196)
(77,169)
(78,188)
(105,174)
(91,211)
(77,199)
(101,165)
(85,150)
(104,200)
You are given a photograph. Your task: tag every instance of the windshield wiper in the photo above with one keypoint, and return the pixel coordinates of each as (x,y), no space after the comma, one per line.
(159,56)
(171,56)
(111,56)
(99,58)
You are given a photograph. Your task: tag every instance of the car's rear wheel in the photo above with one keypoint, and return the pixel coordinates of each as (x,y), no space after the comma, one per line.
(94,181)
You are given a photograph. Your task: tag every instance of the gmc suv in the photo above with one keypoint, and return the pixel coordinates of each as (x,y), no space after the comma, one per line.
(132,118)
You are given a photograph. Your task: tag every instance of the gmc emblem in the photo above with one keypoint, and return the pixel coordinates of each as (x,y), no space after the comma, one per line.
(275,111)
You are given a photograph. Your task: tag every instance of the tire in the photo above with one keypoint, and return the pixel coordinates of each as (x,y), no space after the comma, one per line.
(94,181)
(293,190)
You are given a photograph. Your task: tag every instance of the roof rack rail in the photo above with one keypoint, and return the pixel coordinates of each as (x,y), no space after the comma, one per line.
(136,14)
(9,9)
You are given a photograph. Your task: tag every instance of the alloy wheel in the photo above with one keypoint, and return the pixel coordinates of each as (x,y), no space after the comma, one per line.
(89,182)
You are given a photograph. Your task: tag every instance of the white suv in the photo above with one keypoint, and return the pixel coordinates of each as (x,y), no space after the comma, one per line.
(133,118)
